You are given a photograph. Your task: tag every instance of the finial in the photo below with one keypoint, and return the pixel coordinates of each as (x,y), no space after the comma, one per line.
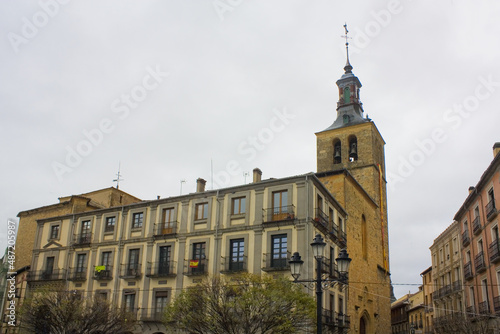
(118,179)
(347,67)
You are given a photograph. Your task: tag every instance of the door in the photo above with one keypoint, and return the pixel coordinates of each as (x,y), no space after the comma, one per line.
(362,326)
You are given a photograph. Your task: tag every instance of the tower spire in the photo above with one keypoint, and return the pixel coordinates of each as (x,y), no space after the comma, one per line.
(347,67)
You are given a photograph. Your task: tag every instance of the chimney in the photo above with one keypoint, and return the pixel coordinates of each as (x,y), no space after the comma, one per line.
(471,189)
(257,175)
(496,149)
(200,185)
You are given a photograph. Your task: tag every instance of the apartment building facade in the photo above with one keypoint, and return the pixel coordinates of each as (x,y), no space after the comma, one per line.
(447,296)
(478,222)
(428,289)
(139,256)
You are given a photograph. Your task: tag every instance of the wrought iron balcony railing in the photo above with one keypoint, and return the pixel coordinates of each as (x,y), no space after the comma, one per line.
(196,267)
(151,315)
(470,311)
(278,214)
(468,271)
(483,307)
(496,304)
(77,274)
(165,229)
(82,239)
(161,269)
(465,238)
(130,270)
(479,262)
(276,262)
(233,265)
(47,275)
(491,210)
(476,225)
(103,272)
(494,249)
(456,286)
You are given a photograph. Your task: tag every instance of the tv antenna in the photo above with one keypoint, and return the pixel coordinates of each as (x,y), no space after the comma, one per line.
(245,174)
(118,177)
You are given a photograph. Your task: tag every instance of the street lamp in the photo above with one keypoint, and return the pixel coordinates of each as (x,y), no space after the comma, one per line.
(343,261)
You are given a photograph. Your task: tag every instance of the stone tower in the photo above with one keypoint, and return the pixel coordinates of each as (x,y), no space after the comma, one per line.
(351,164)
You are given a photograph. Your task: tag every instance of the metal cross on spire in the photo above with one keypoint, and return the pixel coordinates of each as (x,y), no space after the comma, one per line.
(118,175)
(348,66)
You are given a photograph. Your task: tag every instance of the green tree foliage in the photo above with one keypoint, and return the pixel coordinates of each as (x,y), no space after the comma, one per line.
(245,304)
(63,312)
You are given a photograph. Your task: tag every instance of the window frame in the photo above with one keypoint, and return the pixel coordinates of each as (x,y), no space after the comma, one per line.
(137,223)
(241,207)
(204,211)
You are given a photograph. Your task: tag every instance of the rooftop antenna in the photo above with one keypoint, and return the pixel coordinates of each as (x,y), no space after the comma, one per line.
(182,181)
(348,67)
(245,174)
(118,175)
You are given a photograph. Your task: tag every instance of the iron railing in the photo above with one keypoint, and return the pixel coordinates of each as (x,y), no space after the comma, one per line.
(196,267)
(465,238)
(103,272)
(275,262)
(491,209)
(77,274)
(47,275)
(82,239)
(161,269)
(277,214)
(468,270)
(164,229)
(476,225)
(479,263)
(130,270)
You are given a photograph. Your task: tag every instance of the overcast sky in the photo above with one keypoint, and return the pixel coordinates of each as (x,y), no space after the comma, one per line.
(166,87)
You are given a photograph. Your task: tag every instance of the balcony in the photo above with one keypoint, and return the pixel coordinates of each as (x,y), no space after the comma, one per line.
(196,267)
(47,275)
(230,266)
(77,274)
(483,308)
(275,262)
(165,229)
(445,291)
(161,269)
(465,238)
(130,270)
(342,239)
(496,304)
(470,311)
(279,214)
(103,273)
(491,210)
(479,262)
(494,251)
(82,239)
(321,221)
(456,286)
(476,225)
(151,315)
(330,268)
(468,271)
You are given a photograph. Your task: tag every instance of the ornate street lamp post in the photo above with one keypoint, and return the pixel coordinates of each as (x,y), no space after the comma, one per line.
(343,261)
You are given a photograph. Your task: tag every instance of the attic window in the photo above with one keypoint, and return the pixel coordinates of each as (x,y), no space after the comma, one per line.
(346,119)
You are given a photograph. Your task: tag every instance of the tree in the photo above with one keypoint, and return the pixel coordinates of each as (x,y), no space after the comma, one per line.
(64,312)
(245,304)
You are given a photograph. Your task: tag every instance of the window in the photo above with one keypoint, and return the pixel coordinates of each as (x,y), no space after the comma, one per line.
(237,253)
(347,95)
(320,202)
(129,302)
(54,232)
(106,258)
(102,295)
(280,206)
(198,263)
(455,246)
(471,296)
(137,219)
(279,247)
(447,251)
(498,281)
(81,266)
(201,211)
(164,260)
(441,256)
(494,233)
(85,227)
(167,218)
(110,224)
(364,238)
(133,262)
(238,205)
(49,265)
(161,301)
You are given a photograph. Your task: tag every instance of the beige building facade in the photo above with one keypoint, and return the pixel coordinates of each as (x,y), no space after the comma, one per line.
(139,256)
(428,290)
(447,277)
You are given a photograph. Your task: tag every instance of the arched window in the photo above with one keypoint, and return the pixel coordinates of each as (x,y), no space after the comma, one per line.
(364,238)
(353,148)
(337,152)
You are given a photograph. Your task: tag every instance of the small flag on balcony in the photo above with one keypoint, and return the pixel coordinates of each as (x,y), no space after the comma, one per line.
(194,263)
(98,269)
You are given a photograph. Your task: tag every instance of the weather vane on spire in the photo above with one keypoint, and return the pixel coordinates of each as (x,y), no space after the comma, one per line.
(348,66)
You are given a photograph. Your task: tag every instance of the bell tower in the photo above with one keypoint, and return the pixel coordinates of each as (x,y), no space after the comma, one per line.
(351,165)
(352,142)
